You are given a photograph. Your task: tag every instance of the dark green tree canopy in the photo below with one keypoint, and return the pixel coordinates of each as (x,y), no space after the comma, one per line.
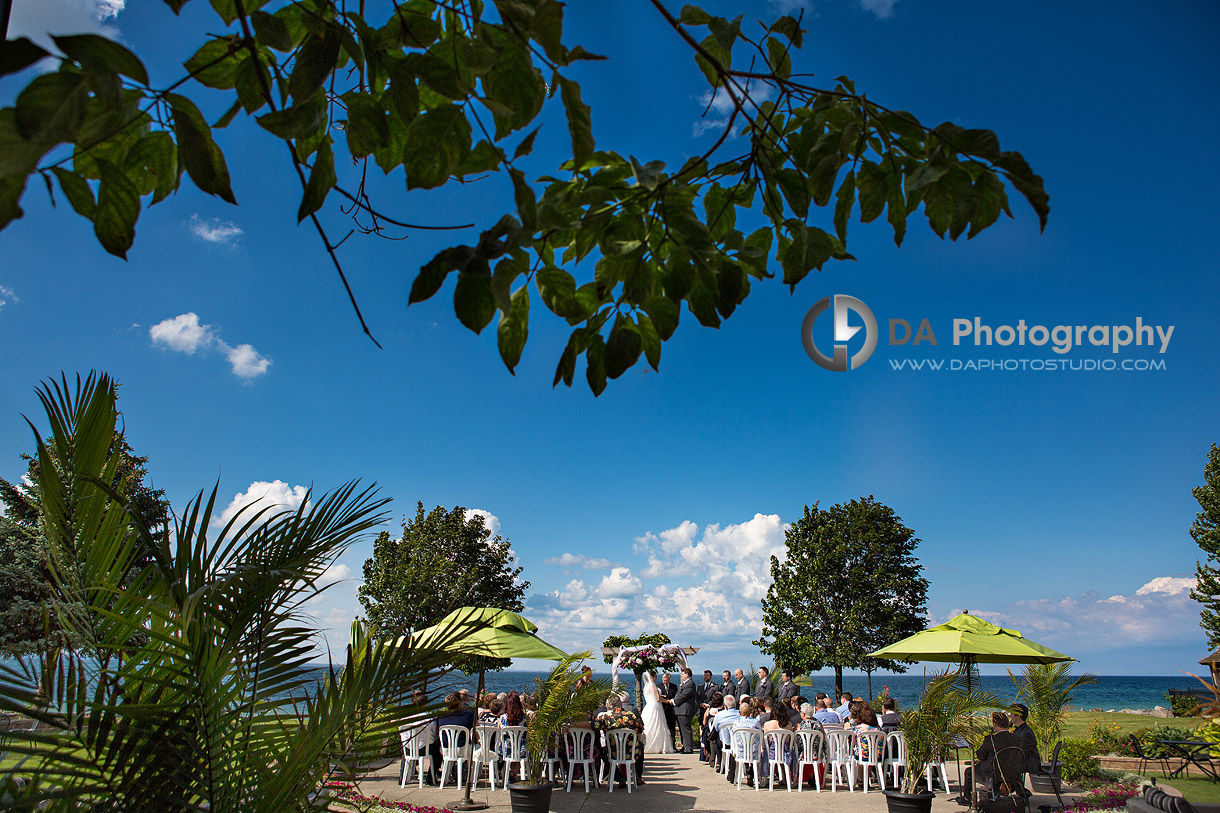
(439,92)
(444,559)
(848,584)
(26,585)
(1205,530)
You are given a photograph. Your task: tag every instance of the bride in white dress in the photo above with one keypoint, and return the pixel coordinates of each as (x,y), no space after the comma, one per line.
(658,739)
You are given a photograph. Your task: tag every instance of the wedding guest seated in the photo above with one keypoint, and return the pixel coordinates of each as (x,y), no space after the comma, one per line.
(529,702)
(722,728)
(418,730)
(866,720)
(749,719)
(984,759)
(844,707)
(779,722)
(891,720)
(810,722)
(828,717)
(767,705)
(615,716)
(514,711)
(708,741)
(455,714)
(491,714)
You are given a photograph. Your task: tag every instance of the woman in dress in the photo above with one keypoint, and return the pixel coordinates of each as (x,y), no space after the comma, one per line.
(658,739)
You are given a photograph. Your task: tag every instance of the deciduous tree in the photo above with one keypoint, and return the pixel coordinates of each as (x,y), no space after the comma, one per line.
(446,91)
(848,584)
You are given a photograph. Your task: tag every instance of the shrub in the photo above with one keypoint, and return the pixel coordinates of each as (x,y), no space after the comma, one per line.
(1183,705)
(1149,739)
(1108,737)
(1079,758)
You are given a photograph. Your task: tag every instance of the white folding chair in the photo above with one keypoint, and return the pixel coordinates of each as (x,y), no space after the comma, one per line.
(580,752)
(621,743)
(414,752)
(552,760)
(810,743)
(486,754)
(779,752)
(456,745)
(747,749)
(870,753)
(840,745)
(726,748)
(929,775)
(513,749)
(896,755)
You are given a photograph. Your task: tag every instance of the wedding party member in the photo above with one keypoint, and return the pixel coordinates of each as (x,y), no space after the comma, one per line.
(743,686)
(586,677)
(658,737)
(668,690)
(615,716)
(727,686)
(706,689)
(762,689)
(685,706)
(787,689)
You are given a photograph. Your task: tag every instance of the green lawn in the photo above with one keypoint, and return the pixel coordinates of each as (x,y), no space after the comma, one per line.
(1079,722)
(1196,788)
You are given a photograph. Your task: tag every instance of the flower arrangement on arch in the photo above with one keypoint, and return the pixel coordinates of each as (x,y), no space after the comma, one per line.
(642,660)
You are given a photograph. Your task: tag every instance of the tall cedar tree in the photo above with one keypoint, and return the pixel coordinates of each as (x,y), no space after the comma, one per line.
(26,589)
(849,584)
(1205,530)
(444,560)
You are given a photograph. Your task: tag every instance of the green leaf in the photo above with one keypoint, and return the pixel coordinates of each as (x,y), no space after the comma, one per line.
(118,208)
(403,91)
(94,52)
(558,292)
(565,370)
(992,199)
(252,78)
(732,286)
(523,194)
(473,301)
(321,181)
(157,156)
(299,121)
(315,62)
(789,28)
(437,141)
(870,183)
(227,9)
(77,191)
(810,248)
(845,199)
(726,33)
(722,57)
(703,298)
(823,178)
(430,279)
(197,152)
(1027,183)
(517,88)
(664,313)
(650,339)
(514,328)
(11,190)
(547,28)
(623,347)
(367,129)
(19,54)
(483,158)
(595,365)
(693,15)
(272,31)
(647,175)
(51,107)
(777,55)
(897,202)
(215,63)
(795,188)
(580,125)
(227,118)
(527,144)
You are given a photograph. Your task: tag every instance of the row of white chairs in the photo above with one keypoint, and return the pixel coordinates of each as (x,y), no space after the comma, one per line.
(507,745)
(842,752)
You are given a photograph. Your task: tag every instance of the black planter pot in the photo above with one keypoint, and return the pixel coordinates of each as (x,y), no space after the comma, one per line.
(1045,783)
(530,798)
(908,802)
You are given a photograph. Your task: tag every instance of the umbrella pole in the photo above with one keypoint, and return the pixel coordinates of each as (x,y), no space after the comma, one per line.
(466,803)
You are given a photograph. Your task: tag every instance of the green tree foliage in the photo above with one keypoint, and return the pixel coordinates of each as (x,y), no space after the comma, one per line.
(644,639)
(444,560)
(848,584)
(1205,530)
(1046,690)
(26,588)
(201,714)
(439,92)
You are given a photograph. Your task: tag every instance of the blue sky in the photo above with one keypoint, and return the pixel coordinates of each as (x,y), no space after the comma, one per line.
(1055,502)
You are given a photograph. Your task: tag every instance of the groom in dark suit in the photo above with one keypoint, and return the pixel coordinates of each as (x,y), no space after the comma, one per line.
(668,690)
(686,705)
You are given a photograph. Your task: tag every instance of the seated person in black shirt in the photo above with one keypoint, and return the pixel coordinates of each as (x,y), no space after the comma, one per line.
(985,758)
(456,713)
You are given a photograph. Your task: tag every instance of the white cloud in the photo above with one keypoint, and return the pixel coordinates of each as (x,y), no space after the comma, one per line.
(882,8)
(184,334)
(719,105)
(214,230)
(490,521)
(619,583)
(265,495)
(576,561)
(38,18)
(247,362)
(7,296)
(1161,612)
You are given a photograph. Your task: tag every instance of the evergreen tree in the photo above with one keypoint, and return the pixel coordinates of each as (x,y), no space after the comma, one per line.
(849,584)
(1205,530)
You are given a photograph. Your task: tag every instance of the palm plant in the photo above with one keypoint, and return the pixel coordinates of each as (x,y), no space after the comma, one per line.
(190,685)
(944,713)
(561,702)
(1046,689)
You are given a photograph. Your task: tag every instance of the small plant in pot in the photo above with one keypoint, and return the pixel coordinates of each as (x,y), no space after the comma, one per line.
(563,699)
(944,713)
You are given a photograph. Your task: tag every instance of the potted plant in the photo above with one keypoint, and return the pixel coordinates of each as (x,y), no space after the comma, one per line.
(1046,688)
(943,714)
(562,699)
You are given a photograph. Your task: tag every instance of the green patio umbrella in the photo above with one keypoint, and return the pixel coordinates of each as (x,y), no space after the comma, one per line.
(486,632)
(968,640)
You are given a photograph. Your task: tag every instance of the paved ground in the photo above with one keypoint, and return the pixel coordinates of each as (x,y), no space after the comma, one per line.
(672,783)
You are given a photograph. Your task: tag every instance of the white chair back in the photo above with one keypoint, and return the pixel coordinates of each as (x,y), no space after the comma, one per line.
(580,743)
(455,742)
(747,744)
(488,734)
(512,742)
(895,754)
(622,744)
(811,744)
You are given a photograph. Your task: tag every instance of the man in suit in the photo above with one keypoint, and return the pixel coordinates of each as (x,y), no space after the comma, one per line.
(705,690)
(1025,737)
(762,689)
(743,686)
(727,687)
(787,689)
(686,705)
(668,690)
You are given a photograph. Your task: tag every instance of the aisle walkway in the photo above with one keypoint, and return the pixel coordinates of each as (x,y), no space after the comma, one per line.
(672,783)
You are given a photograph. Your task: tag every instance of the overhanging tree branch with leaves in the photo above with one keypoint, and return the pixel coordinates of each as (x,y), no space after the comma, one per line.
(439,90)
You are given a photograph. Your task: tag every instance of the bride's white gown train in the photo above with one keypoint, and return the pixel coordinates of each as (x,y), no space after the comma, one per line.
(658,739)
